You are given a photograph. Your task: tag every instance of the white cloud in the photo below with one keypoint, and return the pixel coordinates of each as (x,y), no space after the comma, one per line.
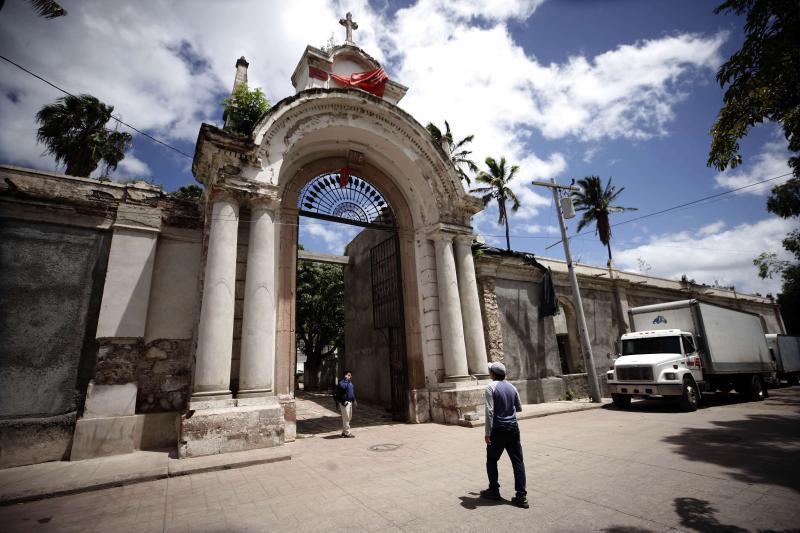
(133,167)
(712,228)
(334,237)
(490,9)
(714,254)
(771,162)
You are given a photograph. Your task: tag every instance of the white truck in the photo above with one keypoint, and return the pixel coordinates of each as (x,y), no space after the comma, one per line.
(785,351)
(683,349)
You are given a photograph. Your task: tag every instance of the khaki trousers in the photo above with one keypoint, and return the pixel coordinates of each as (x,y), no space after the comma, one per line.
(347,415)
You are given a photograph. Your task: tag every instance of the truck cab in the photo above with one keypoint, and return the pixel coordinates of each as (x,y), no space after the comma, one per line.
(657,363)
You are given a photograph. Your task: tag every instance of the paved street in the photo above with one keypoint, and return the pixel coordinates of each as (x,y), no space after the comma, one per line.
(728,467)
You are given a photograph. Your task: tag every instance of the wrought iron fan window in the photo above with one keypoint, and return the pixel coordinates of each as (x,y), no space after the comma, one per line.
(353,199)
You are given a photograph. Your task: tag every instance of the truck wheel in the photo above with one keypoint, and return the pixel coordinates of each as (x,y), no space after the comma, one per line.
(756,391)
(690,396)
(792,380)
(621,400)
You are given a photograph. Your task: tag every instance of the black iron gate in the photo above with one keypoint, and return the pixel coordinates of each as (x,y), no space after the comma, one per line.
(387,316)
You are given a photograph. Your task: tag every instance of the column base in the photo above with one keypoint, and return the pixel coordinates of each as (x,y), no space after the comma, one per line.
(465,377)
(454,404)
(480,377)
(202,402)
(233,429)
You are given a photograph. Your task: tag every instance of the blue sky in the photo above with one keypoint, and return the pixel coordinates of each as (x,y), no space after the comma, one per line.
(564,88)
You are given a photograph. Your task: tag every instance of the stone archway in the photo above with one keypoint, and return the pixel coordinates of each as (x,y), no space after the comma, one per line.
(323,129)
(566,330)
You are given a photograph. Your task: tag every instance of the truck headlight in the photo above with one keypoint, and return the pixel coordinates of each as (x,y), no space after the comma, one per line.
(610,375)
(670,376)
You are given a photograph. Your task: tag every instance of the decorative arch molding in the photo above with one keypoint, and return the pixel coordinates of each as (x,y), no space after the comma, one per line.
(347,119)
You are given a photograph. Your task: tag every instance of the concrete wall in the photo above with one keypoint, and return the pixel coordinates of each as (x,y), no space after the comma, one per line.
(366,349)
(523,350)
(50,294)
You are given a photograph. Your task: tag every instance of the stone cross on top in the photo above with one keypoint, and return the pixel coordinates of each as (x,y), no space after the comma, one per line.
(350,25)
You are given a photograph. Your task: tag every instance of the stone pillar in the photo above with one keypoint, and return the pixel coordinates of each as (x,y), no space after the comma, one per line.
(450,323)
(470,308)
(108,424)
(212,371)
(257,363)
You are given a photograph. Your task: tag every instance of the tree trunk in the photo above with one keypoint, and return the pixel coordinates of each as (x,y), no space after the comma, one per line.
(608,245)
(505,217)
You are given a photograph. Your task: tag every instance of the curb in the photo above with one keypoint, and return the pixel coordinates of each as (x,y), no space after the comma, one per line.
(525,415)
(171,468)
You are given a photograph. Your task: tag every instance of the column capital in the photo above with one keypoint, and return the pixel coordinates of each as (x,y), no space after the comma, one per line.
(464,238)
(219,194)
(269,203)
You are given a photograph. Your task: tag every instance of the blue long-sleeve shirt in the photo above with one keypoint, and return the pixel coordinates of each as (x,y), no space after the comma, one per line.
(502,405)
(347,385)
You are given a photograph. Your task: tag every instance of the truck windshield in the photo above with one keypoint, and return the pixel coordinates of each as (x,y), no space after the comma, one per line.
(651,345)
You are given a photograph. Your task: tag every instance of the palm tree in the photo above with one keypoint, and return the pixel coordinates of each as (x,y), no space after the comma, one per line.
(73,129)
(497,188)
(595,202)
(48,9)
(458,153)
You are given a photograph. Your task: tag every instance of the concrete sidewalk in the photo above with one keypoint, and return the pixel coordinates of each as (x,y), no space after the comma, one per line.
(538,410)
(59,478)
(46,480)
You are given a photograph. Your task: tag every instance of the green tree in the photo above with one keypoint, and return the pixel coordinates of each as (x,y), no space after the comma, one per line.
(762,82)
(74,131)
(596,203)
(244,108)
(762,79)
(44,8)
(457,151)
(785,202)
(319,314)
(496,188)
(188,192)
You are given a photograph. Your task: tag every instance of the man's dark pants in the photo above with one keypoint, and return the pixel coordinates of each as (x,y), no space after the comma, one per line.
(508,440)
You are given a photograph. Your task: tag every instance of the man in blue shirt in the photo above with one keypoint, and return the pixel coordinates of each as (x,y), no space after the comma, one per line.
(502,433)
(347,398)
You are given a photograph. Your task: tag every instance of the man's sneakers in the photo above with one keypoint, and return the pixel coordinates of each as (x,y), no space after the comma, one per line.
(520,500)
(348,436)
(491,494)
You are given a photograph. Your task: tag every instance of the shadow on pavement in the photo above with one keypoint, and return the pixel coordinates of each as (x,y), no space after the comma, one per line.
(696,515)
(758,449)
(316,413)
(474,500)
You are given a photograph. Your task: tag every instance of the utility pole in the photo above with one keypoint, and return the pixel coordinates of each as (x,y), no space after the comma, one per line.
(588,358)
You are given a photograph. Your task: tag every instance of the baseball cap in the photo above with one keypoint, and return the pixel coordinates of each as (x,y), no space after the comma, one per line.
(498,368)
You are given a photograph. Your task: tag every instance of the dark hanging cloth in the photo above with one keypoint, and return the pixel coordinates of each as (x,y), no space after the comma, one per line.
(549,305)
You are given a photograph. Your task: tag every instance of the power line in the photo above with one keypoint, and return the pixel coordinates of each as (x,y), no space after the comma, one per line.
(140,132)
(688,204)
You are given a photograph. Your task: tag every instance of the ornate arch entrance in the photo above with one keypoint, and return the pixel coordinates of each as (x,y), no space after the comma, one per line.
(294,162)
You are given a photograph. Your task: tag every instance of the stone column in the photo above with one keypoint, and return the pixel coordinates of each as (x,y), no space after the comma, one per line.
(108,424)
(258,327)
(450,323)
(212,371)
(470,308)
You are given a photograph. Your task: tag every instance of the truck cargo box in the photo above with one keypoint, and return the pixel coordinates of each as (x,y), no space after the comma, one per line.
(731,341)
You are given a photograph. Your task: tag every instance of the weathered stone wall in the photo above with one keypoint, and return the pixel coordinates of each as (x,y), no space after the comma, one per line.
(523,331)
(50,295)
(490,314)
(366,348)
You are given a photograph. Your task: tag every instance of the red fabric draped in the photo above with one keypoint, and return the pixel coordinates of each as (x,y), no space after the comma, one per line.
(373,81)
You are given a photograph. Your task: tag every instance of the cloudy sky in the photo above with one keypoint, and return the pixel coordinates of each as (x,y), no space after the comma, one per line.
(563,88)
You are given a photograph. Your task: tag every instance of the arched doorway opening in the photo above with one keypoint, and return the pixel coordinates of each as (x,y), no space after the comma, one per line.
(566,330)
(377,261)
